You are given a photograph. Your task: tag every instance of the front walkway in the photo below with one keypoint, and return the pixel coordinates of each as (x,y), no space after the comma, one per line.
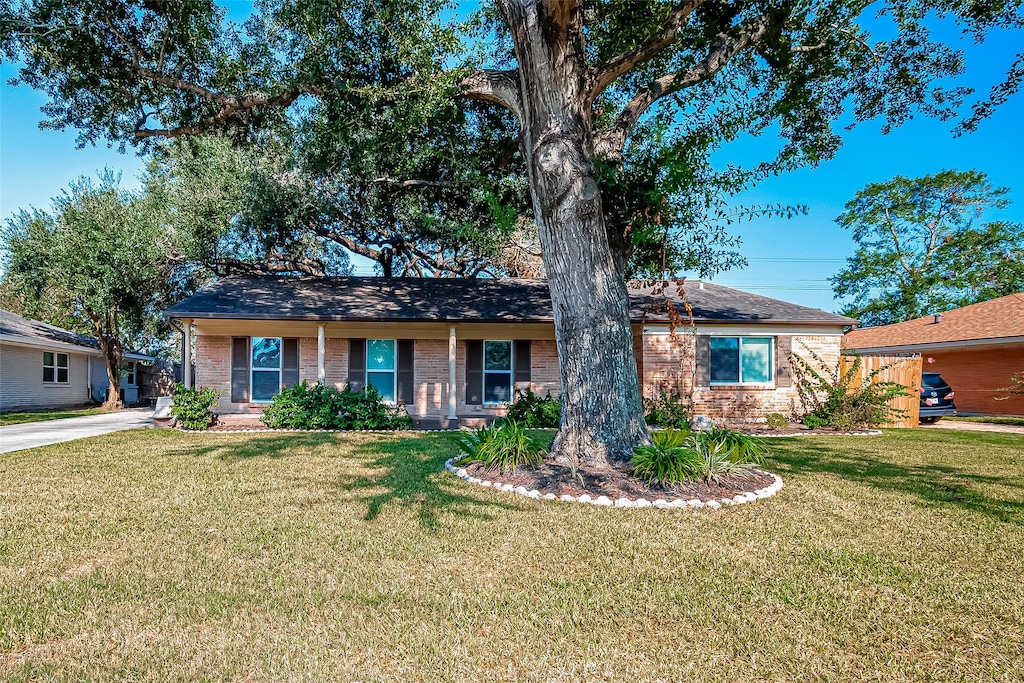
(35,434)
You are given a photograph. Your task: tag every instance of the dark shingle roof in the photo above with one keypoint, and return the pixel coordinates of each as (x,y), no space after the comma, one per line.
(13,325)
(379,299)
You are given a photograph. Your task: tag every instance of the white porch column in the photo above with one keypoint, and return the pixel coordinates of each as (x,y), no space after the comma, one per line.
(452,398)
(88,375)
(186,366)
(321,354)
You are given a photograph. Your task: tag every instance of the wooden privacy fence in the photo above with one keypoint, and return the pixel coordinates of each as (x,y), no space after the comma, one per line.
(903,369)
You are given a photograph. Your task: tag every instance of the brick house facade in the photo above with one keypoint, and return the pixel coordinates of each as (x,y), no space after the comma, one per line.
(732,362)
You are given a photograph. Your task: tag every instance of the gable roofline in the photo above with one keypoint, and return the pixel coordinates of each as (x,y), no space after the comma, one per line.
(465,300)
(989,321)
(20,331)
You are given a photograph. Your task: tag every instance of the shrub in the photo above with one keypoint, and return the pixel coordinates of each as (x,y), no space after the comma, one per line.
(503,448)
(531,411)
(667,410)
(831,397)
(777,421)
(680,455)
(192,406)
(320,406)
(812,421)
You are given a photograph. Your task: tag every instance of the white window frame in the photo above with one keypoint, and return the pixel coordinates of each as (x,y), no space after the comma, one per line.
(511,371)
(130,370)
(253,369)
(739,370)
(393,371)
(57,367)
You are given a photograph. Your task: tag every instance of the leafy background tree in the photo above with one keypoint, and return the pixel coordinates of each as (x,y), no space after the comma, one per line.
(99,264)
(582,87)
(922,248)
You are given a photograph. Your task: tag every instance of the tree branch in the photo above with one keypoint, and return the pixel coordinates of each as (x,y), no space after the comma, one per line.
(606,75)
(610,141)
(498,87)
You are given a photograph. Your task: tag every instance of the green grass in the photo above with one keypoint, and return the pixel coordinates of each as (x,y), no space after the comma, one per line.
(43,415)
(990,419)
(159,555)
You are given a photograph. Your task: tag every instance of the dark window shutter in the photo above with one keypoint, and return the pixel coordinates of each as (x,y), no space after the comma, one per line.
(406,352)
(290,362)
(783,363)
(474,372)
(521,353)
(703,361)
(240,353)
(356,364)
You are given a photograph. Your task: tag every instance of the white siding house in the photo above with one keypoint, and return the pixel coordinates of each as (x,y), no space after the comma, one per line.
(42,366)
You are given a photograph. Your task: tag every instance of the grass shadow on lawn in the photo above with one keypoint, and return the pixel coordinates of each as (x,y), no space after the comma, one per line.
(414,476)
(927,472)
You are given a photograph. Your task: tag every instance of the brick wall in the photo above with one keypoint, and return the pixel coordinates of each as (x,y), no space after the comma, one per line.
(213,369)
(307,359)
(669,363)
(544,374)
(976,374)
(430,370)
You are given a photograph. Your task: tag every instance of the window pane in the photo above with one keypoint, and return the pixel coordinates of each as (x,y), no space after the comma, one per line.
(62,360)
(48,374)
(496,387)
(757,360)
(385,383)
(266,353)
(380,354)
(265,383)
(62,375)
(47,358)
(497,355)
(725,359)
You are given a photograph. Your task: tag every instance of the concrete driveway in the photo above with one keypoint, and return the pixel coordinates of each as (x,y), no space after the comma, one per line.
(975,427)
(34,434)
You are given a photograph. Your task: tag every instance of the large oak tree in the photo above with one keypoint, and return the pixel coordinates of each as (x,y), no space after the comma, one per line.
(579,79)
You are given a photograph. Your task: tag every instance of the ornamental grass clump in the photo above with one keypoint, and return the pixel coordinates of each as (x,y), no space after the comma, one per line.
(669,458)
(676,456)
(503,448)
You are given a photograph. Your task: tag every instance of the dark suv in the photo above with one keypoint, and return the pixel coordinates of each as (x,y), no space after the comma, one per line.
(936,398)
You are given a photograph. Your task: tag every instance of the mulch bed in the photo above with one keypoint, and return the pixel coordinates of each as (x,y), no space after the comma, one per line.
(617,482)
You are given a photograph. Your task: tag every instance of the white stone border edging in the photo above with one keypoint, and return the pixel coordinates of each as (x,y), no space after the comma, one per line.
(866,432)
(677,503)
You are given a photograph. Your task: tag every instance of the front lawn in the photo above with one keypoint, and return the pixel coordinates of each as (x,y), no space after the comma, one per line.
(160,555)
(44,415)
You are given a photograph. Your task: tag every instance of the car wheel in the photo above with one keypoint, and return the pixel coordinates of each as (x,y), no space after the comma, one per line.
(929,420)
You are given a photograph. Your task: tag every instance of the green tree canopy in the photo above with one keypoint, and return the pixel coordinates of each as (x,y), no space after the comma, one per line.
(98,264)
(921,248)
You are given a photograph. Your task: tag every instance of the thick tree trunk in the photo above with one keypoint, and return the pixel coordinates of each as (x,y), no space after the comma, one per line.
(112,358)
(602,414)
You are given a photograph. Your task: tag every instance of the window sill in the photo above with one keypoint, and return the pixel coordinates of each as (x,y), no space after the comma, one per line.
(743,387)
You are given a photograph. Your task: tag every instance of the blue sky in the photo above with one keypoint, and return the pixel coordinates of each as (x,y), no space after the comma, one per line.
(789,259)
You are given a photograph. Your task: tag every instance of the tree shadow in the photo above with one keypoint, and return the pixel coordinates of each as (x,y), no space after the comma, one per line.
(258,446)
(932,484)
(413,476)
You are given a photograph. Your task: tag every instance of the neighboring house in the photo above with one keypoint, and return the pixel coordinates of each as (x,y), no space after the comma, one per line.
(456,349)
(42,366)
(975,348)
